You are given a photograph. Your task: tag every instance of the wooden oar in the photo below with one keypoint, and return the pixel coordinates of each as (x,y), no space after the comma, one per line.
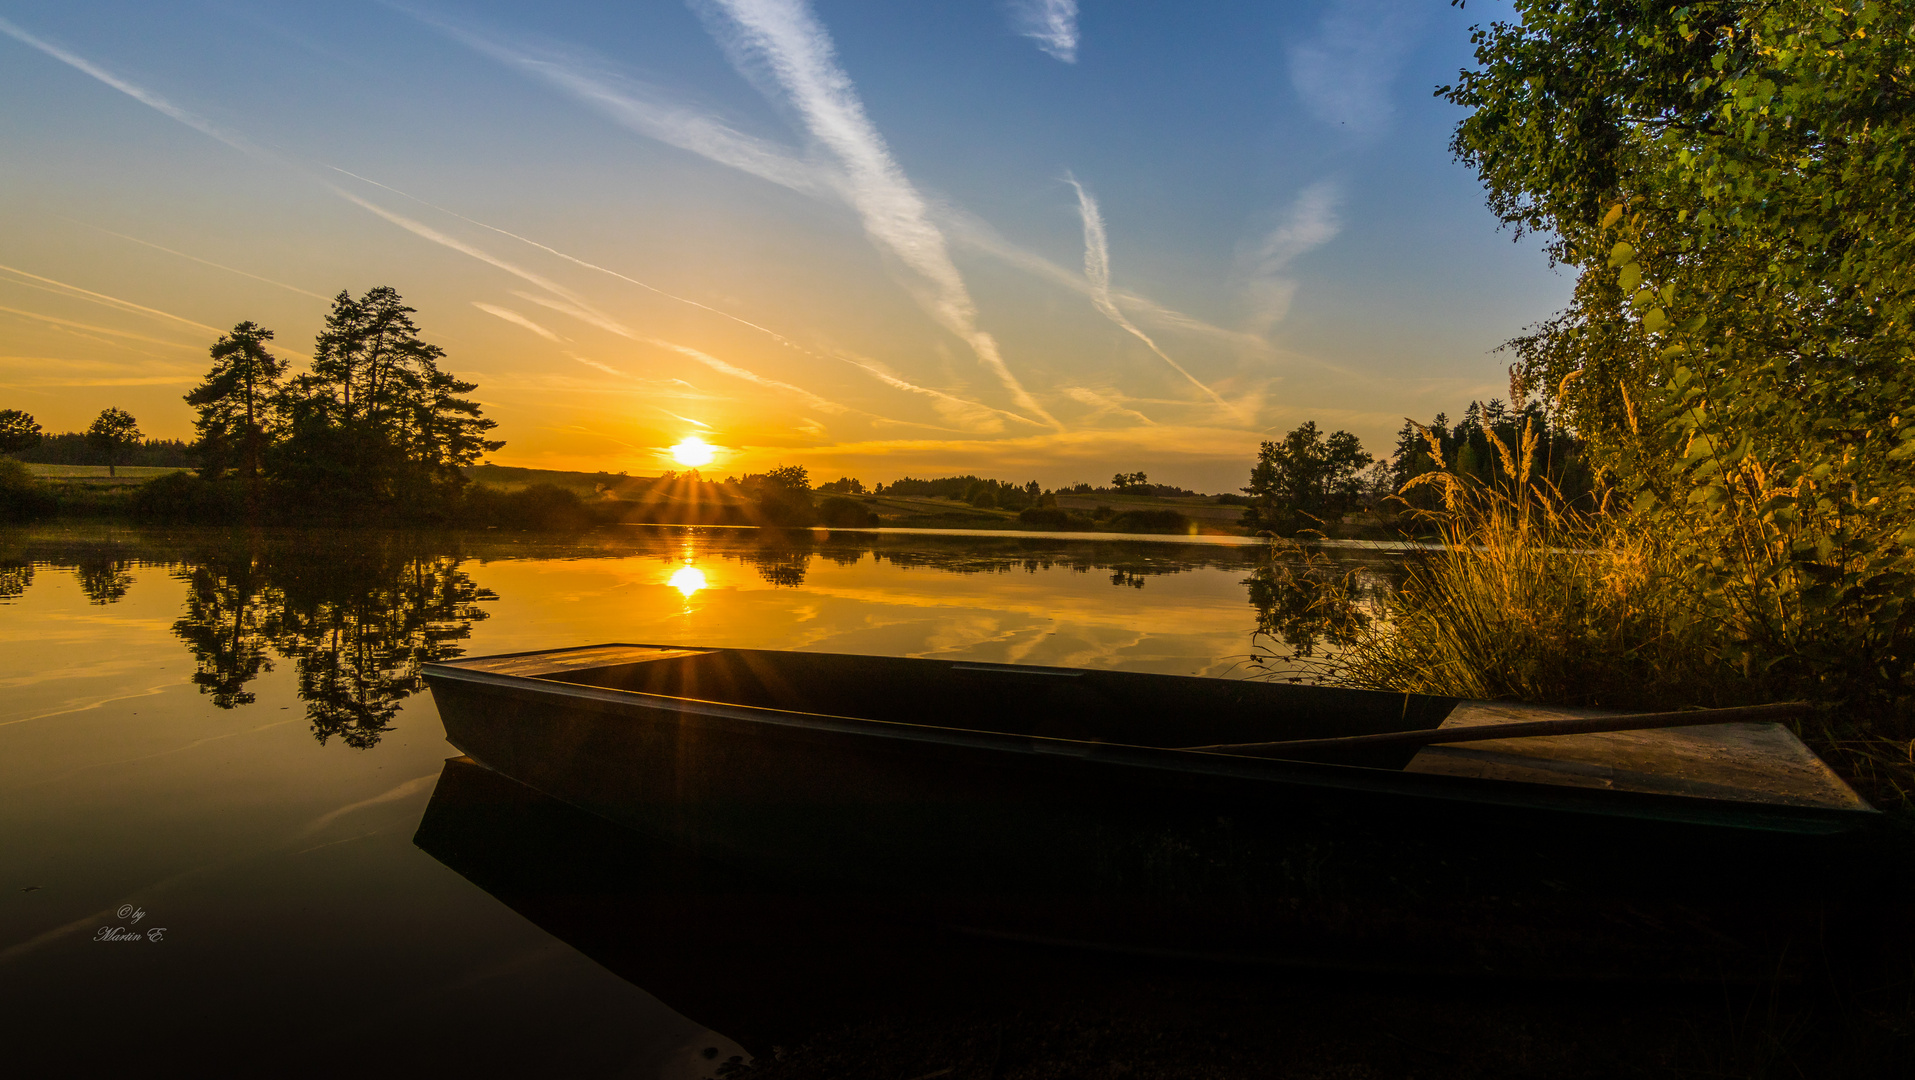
(1581,725)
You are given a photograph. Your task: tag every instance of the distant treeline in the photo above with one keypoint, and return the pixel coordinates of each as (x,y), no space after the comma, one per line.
(71,448)
(971,489)
(1309,481)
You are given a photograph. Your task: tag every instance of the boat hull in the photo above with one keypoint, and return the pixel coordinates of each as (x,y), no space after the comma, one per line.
(1167,851)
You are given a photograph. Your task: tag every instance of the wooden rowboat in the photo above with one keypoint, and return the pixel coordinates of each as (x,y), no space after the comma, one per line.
(1162,811)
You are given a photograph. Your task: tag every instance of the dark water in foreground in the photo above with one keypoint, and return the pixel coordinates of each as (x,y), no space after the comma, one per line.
(231,841)
(215,752)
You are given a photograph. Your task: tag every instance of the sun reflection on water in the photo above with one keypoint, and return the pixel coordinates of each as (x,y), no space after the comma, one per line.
(687,580)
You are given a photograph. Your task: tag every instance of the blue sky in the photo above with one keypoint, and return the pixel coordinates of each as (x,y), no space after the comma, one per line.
(1036,240)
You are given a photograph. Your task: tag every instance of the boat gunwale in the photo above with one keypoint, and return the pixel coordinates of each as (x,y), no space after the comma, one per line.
(1177,761)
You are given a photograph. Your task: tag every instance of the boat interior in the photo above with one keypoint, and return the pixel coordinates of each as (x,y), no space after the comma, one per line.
(1750,762)
(1094,706)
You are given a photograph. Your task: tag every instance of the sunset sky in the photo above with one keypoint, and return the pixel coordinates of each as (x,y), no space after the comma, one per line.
(1031,240)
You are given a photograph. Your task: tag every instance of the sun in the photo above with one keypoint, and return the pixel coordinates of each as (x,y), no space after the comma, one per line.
(694,452)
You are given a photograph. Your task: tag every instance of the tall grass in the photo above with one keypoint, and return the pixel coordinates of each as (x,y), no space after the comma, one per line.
(1530,599)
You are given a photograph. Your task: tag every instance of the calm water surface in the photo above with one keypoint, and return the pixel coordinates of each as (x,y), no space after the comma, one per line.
(215,753)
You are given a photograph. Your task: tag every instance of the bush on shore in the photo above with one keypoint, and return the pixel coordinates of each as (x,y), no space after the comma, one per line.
(22,498)
(542,507)
(1148,521)
(839,512)
(1054,518)
(187,498)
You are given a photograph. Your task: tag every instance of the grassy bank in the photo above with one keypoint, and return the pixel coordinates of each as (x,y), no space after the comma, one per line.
(1531,601)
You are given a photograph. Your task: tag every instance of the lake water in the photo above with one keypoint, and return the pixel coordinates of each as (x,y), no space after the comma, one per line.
(215,753)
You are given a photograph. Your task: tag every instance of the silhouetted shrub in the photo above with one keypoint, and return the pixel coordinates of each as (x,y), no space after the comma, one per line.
(188,498)
(1148,521)
(22,498)
(839,512)
(1051,517)
(541,507)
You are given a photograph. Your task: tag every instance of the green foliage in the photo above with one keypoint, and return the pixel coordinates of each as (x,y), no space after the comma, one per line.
(1467,450)
(1305,480)
(844,485)
(235,402)
(113,436)
(1126,481)
(1731,181)
(18,431)
(22,498)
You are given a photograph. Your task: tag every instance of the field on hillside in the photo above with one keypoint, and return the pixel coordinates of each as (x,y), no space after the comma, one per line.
(126,474)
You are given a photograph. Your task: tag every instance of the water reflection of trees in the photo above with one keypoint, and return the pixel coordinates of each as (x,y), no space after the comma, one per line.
(15,576)
(104,579)
(783,559)
(1309,608)
(225,626)
(357,618)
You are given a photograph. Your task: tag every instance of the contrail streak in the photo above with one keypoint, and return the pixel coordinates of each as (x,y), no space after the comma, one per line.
(196,258)
(98,329)
(110,301)
(140,94)
(767,331)
(1104,403)
(577,306)
(736,372)
(980,415)
(1097,271)
(799,55)
(246,146)
(516,319)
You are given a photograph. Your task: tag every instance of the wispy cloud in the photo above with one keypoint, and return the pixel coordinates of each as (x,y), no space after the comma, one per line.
(794,49)
(515,319)
(1097,272)
(1343,70)
(643,108)
(1050,23)
(1310,223)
